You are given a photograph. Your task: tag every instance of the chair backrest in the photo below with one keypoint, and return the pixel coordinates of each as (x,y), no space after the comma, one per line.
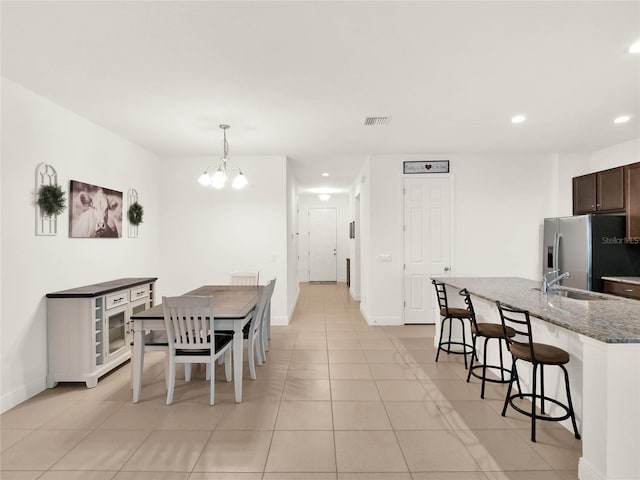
(467,300)
(189,322)
(520,322)
(262,305)
(441,294)
(245,278)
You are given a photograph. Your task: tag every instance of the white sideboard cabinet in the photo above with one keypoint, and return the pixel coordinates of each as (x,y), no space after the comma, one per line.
(89,328)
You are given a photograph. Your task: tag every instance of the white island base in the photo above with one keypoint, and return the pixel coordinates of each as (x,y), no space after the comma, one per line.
(604,378)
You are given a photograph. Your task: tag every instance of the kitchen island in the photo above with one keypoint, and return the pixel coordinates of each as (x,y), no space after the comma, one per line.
(602,334)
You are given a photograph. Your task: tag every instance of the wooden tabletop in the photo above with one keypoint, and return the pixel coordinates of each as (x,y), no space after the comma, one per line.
(230,301)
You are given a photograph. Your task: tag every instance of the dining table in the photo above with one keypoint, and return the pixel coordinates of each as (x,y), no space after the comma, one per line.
(233,308)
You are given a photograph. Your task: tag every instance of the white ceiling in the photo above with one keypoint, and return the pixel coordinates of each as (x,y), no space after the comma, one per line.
(298,78)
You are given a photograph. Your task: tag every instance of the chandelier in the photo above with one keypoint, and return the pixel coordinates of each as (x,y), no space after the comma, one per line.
(219,178)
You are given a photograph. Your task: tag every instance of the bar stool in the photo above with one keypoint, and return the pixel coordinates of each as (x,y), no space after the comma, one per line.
(450,313)
(488,331)
(523,348)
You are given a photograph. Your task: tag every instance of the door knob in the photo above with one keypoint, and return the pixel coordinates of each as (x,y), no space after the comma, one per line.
(446,269)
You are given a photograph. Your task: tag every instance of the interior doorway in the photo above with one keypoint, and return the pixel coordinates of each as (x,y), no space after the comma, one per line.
(355,266)
(427,244)
(322,245)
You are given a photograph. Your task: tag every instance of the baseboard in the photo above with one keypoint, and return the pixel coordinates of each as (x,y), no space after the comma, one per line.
(586,471)
(25,392)
(280,321)
(383,321)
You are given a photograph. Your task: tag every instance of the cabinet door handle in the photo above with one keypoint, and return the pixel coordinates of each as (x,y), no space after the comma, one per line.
(628,290)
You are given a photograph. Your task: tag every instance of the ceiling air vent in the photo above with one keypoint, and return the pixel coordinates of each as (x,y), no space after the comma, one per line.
(370,121)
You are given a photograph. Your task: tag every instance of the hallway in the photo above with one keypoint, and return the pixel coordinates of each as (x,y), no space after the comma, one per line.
(336,400)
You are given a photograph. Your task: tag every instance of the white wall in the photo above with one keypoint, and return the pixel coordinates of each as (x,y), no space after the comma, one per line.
(362,187)
(208,233)
(293,286)
(341,204)
(499,202)
(34,130)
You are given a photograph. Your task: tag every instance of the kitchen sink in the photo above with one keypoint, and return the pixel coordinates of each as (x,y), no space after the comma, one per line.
(574,295)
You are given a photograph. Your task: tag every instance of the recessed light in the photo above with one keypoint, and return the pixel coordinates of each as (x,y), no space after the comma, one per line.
(635,48)
(325,174)
(518,119)
(622,119)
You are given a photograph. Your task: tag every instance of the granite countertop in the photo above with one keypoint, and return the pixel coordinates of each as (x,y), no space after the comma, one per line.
(612,320)
(101,288)
(630,280)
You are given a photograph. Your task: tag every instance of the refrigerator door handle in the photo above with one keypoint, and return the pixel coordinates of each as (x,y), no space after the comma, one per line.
(556,252)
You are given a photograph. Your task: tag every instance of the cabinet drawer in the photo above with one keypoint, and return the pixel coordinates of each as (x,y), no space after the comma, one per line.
(138,293)
(116,299)
(622,289)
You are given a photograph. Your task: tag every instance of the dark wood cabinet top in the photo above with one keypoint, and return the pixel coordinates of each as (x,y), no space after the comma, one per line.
(101,288)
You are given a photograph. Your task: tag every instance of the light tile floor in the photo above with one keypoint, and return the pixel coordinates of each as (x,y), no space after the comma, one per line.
(336,400)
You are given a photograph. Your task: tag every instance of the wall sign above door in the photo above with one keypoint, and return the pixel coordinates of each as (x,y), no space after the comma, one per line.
(433,166)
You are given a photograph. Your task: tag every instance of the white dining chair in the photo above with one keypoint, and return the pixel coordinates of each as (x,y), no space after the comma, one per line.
(265,329)
(253,331)
(191,338)
(245,278)
(254,335)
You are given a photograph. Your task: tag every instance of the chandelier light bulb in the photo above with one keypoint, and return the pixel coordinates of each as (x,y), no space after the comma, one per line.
(218,179)
(240,181)
(205,179)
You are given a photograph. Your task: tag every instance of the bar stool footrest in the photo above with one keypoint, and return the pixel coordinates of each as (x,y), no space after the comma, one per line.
(479,376)
(539,398)
(466,350)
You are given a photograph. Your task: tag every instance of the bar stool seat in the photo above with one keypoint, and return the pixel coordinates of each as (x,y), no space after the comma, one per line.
(488,331)
(523,348)
(450,313)
(544,354)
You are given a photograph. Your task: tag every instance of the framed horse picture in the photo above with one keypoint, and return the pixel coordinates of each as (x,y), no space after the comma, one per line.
(94,212)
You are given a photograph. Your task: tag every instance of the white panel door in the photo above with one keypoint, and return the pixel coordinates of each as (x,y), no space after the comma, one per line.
(322,245)
(426,244)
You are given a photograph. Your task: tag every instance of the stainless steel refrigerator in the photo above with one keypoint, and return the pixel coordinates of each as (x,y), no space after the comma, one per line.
(589,247)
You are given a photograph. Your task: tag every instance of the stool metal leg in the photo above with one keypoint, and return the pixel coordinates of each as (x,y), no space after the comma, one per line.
(542,388)
(441,333)
(464,343)
(484,367)
(514,375)
(475,338)
(570,403)
(501,362)
(533,404)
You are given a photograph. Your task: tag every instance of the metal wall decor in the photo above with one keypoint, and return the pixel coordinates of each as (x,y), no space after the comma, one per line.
(45,225)
(132,197)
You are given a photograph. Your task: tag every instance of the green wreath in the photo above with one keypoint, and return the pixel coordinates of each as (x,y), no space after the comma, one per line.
(135,214)
(51,200)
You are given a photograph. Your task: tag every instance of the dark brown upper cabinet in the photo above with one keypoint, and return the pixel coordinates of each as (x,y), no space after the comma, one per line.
(632,177)
(602,191)
(584,194)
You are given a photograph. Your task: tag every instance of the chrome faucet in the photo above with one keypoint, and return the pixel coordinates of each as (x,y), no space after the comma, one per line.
(547,284)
